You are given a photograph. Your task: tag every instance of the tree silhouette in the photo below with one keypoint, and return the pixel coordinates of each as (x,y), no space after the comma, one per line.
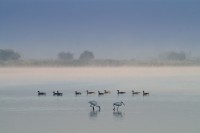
(8,54)
(65,56)
(174,56)
(86,56)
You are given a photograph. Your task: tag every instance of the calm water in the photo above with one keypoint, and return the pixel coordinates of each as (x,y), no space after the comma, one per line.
(172,107)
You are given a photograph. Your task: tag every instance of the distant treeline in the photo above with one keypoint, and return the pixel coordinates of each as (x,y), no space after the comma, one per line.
(9,57)
(100,63)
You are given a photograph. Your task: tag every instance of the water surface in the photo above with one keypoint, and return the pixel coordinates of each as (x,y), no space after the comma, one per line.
(172,107)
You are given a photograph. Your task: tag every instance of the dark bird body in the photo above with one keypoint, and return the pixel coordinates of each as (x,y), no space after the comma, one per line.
(145,93)
(77,93)
(90,92)
(133,92)
(41,93)
(57,93)
(120,92)
(106,92)
(99,93)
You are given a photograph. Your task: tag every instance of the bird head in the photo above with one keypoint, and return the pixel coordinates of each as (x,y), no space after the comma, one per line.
(122,103)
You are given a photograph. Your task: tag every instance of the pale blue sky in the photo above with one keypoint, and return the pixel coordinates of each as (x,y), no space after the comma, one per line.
(122,29)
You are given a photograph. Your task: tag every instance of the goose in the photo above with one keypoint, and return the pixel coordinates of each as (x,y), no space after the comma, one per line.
(99,93)
(90,92)
(133,92)
(106,92)
(117,104)
(41,93)
(57,93)
(77,93)
(94,104)
(145,93)
(120,92)
(54,93)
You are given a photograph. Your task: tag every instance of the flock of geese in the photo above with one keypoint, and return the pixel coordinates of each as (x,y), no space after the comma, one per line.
(107,92)
(94,104)
(57,93)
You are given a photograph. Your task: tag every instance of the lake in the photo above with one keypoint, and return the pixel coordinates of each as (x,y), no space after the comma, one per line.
(171,107)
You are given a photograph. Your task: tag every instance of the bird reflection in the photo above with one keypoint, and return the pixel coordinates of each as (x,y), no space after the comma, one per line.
(94,114)
(118,114)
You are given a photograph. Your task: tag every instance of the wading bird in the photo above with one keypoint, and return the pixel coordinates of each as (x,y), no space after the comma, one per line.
(94,104)
(117,104)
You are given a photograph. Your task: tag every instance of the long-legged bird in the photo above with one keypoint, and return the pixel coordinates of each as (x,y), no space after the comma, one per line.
(118,104)
(94,104)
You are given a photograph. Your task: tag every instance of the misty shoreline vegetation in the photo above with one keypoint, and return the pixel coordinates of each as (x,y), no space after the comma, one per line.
(9,58)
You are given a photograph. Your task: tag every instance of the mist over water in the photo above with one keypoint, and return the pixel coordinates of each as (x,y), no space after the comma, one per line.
(126,78)
(171,107)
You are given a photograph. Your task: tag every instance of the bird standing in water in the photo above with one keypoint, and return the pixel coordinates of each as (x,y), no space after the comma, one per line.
(118,104)
(94,104)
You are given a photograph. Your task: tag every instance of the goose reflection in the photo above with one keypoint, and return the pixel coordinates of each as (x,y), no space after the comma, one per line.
(94,114)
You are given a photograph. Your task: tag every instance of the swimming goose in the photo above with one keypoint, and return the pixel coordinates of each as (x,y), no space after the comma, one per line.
(106,92)
(41,93)
(77,93)
(120,92)
(133,92)
(99,93)
(90,92)
(57,93)
(145,93)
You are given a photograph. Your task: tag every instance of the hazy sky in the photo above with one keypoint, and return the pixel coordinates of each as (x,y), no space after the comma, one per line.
(111,29)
